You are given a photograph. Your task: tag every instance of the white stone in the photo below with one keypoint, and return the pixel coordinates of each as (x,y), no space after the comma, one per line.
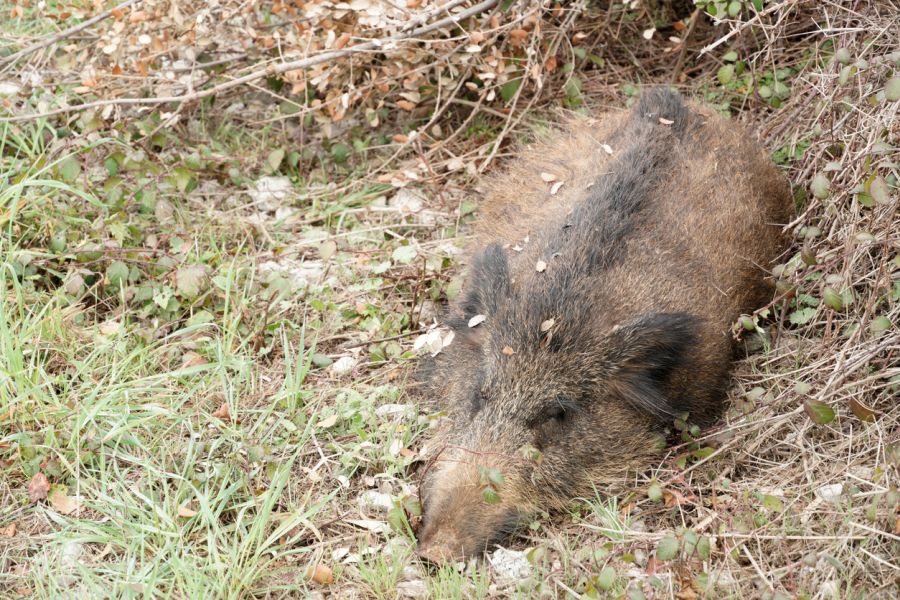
(343,365)
(376,501)
(271,192)
(831,492)
(510,565)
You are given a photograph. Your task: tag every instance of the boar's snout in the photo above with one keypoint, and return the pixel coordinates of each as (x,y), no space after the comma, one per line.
(459,519)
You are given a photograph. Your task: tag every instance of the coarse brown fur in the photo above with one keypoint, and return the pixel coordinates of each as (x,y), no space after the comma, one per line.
(608,303)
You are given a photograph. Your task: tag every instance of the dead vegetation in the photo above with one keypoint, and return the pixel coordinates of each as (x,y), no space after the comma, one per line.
(793,495)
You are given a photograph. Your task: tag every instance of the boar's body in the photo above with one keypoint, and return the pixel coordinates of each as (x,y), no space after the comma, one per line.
(608,310)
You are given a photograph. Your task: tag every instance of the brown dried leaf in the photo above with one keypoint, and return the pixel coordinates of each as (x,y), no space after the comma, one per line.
(9,530)
(186,511)
(862,412)
(192,359)
(328,421)
(38,488)
(223,412)
(342,41)
(320,574)
(508,351)
(61,502)
(406,105)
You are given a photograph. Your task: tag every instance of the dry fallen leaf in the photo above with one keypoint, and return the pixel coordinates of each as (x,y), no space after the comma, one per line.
(328,421)
(192,359)
(546,325)
(320,574)
(61,501)
(223,412)
(38,488)
(541,266)
(9,530)
(476,320)
(186,511)
(109,328)
(548,177)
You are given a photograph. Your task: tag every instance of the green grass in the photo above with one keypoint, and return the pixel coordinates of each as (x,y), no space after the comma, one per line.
(117,395)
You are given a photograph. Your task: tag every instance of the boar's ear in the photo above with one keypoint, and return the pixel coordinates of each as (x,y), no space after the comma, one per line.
(643,352)
(488,282)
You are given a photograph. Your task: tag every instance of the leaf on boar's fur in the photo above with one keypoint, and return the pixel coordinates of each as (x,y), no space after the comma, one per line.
(477,320)
(508,351)
(547,325)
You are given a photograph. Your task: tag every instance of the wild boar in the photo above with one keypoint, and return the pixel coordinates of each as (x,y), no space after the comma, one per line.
(612,260)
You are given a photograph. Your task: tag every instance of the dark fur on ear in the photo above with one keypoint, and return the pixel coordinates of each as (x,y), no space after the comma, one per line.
(643,354)
(489,282)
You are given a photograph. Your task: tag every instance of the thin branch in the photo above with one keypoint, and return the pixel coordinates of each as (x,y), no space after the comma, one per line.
(269,70)
(745,24)
(14,58)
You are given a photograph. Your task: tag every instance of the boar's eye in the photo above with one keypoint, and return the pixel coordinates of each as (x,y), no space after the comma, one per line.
(556,413)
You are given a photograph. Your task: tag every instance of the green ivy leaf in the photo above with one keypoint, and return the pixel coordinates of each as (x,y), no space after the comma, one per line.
(802,316)
(117,274)
(508,90)
(404,254)
(667,548)
(275,158)
(69,169)
(725,74)
(892,89)
(820,186)
(606,578)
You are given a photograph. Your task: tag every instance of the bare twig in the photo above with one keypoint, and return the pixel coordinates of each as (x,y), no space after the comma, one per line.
(14,58)
(746,24)
(271,69)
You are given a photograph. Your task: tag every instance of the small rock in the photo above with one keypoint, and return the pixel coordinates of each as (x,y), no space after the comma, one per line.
(407,201)
(300,274)
(831,492)
(376,501)
(270,192)
(413,589)
(388,410)
(510,565)
(343,365)
(282,213)
(9,89)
